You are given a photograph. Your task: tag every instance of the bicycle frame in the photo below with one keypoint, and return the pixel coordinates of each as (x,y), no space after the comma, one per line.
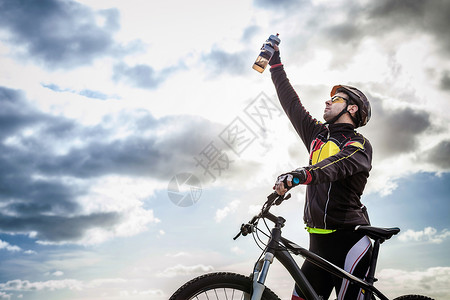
(283,255)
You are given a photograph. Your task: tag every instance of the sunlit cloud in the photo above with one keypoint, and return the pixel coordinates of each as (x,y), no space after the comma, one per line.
(223,212)
(428,235)
(8,247)
(432,282)
(185,270)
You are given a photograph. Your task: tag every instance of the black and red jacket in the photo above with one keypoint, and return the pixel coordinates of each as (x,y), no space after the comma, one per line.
(339,163)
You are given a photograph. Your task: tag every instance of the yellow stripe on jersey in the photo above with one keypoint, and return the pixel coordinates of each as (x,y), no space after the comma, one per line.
(327,150)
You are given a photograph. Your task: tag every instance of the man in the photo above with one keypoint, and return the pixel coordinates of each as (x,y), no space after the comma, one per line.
(339,164)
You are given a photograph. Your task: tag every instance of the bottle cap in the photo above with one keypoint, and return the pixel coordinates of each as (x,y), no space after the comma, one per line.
(275,38)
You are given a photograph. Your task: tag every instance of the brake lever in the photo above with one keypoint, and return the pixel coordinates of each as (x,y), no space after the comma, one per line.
(245,229)
(282,198)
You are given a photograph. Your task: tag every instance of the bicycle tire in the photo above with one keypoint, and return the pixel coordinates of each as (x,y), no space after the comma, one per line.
(227,285)
(413,297)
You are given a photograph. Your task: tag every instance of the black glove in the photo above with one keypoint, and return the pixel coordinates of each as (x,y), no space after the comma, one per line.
(296,177)
(275,60)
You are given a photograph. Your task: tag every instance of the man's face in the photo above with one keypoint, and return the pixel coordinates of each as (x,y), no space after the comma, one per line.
(334,106)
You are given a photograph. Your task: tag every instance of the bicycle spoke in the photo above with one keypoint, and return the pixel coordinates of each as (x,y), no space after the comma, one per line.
(221,294)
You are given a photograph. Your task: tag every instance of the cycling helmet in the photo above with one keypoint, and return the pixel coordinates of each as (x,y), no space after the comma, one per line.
(356,96)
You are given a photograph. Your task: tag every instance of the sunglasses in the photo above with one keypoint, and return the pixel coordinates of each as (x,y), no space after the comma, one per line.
(338,99)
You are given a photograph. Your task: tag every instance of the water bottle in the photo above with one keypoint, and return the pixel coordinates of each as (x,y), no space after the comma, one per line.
(267,50)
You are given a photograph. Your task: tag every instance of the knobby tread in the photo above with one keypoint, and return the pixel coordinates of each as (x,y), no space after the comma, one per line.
(176,295)
(413,297)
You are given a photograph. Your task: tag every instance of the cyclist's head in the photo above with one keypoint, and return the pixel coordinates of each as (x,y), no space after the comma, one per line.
(356,97)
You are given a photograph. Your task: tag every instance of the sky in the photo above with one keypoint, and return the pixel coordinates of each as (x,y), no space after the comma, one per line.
(136,138)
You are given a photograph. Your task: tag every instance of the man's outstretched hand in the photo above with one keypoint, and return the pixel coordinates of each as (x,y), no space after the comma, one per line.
(288,180)
(275,60)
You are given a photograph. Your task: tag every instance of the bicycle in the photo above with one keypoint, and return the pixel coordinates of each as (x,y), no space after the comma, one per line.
(226,285)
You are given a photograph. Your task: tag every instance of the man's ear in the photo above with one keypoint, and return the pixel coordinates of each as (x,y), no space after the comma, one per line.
(352,109)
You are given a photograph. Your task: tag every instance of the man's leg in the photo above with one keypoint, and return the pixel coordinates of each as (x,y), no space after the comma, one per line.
(344,248)
(321,281)
(356,262)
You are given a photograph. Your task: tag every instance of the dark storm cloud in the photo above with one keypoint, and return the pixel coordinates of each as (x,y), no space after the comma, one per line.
(408,125)
(24,195)
(57,228)
(39,188)
(157,157)
(445,81)
(59,33)
(342,29)
(380,18)
(12,118)
(439,155)
(17,163)
(413,15)
(396,131)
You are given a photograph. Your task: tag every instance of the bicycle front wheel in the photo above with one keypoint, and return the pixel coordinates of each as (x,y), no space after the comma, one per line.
(219,286)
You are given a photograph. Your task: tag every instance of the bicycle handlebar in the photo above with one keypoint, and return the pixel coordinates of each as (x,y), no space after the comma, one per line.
(272,199)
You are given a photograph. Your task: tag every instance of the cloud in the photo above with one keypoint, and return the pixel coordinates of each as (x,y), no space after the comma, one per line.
(57,228)
(178,254)
(438,155)
(428,234)
(155,147)
(432,282)
(145,153)
(126,293)
(223,212)
(389,24)
(49,164)
(410,16)
(4,295)
(249,33)
(62,34)
(282,4)
(385,18)
(85,92)
(58,273)
(19,285)
(221,62)
(15,113)
(143,76)
(50,285)
(408,125)
(237,250)
(445,81)
(396,130)
(185,270)
(8,247)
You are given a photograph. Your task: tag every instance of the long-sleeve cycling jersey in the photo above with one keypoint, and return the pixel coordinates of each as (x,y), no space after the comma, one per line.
(339,163)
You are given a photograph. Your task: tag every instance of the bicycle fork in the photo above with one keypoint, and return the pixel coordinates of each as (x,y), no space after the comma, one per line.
(260,274)
(262,268)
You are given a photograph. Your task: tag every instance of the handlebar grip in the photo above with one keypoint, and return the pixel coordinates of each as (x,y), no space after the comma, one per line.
(273,196)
